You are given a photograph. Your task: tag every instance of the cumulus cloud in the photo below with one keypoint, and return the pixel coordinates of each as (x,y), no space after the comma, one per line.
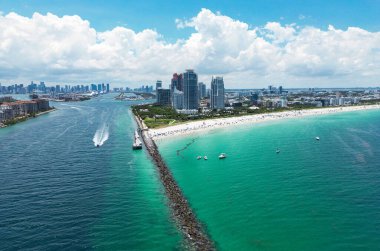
(67,49)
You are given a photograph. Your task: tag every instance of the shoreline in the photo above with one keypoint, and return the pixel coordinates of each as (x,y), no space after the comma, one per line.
(23,119)
(209,124)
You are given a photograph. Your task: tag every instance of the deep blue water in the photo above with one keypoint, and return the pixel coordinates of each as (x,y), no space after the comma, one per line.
(59,192)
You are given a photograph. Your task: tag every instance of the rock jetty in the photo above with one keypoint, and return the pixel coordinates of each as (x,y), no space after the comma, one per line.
(186,219)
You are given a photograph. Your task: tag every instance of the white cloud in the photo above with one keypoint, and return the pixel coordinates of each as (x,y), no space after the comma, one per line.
(67,49)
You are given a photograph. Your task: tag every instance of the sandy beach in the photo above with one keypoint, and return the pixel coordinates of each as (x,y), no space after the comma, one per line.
(201,125)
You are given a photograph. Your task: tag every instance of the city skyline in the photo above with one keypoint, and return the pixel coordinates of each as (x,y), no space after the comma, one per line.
(58,45)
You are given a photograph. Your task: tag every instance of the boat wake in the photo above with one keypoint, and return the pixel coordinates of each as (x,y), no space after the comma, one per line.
(101,135)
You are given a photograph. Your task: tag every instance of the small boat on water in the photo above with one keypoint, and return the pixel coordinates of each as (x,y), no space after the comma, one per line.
(97,145)
(199,157)
(137,144)
(205,157)
(222,156)
(278,151)
(317,138)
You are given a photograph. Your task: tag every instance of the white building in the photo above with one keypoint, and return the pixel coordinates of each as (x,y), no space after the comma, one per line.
(178,98)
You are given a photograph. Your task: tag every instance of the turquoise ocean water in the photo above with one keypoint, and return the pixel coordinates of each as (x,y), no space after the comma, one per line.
(313,195)
(59,192)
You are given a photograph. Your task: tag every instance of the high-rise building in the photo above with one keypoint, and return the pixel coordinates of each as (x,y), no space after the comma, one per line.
(254,98)
(190,90)
(163,96)
(177,99)
(202,90)
(176,84)
(158,84)
(217,93)
(108,87)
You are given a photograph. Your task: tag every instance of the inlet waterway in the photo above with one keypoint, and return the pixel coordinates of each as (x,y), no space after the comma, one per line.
(60,192)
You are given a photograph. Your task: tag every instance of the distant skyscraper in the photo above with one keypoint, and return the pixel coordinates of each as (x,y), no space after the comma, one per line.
(202,90)
(190,90)
(217,93)
(99,87)
(158,84)
(254,98)
(108,87)
(163,96)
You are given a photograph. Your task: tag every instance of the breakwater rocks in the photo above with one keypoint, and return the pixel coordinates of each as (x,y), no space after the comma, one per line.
(191,228)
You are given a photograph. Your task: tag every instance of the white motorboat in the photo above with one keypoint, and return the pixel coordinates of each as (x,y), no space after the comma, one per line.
(222,156)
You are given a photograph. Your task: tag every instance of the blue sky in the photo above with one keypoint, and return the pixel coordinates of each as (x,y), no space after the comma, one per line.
(160,15)
(296,43)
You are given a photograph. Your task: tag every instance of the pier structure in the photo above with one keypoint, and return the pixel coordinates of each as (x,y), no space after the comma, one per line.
(184,216)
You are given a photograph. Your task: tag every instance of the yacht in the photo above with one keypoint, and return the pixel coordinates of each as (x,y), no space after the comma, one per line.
(278,150)
(317,138)
(137,144)
(199,157)
(222,156)
(205,157)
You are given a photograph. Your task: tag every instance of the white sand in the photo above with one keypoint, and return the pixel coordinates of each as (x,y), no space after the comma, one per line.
(201,125)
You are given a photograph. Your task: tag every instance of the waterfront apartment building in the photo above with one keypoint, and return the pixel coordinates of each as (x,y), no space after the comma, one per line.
(190,90)
(176,84)
(217,93)
(202,90)
(14,109)
(163,97)
(177,99)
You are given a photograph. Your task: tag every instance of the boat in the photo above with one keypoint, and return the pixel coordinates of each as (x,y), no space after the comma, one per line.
(205,158)
(137,144)
(137,136)
(278,150)
(97,145)
(317,138)
(222,156)
(199,157)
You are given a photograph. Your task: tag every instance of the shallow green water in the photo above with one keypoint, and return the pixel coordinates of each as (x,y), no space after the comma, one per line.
(314,195)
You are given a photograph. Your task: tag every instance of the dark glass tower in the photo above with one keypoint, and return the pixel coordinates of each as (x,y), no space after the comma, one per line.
(190,90)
